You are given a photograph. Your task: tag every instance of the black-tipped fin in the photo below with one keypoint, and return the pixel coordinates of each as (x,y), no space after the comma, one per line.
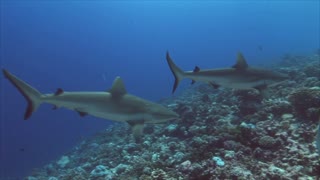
(82,114)
(195,70)
(58,92)
(29,110)
(118,89)
(241,63)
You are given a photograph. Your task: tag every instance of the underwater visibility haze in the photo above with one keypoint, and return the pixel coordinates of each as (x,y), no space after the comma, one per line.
(84,46)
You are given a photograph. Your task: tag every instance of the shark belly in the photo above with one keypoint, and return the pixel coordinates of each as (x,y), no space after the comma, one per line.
(242,84)
(236,81)
(100,105)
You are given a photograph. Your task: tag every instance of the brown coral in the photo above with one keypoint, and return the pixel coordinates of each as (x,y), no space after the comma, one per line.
(306,102)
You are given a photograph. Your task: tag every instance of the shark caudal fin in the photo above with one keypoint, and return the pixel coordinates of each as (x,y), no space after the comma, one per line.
(32,95)
(177,72)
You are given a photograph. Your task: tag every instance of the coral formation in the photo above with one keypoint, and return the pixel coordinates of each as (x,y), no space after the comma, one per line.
(306,102)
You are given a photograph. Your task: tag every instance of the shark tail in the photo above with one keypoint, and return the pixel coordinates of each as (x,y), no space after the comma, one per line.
(177,72)
(32,95)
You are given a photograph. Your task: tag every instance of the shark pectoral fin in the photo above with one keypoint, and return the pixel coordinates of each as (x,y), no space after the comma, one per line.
(263,90)
(137,129)
(261,87)
(214,85)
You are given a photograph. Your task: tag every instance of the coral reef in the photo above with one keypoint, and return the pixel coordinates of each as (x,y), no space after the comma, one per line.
(222,134)
(306,102)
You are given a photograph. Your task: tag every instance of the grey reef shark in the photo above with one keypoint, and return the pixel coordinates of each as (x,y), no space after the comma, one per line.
(114,104)
(239,76)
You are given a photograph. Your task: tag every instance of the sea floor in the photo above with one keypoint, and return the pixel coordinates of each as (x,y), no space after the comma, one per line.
(222,134)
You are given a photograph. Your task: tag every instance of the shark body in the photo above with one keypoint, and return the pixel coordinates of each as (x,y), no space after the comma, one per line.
(239,76)
(115,104)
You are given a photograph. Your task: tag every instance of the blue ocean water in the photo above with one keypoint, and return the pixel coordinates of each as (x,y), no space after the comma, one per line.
(82,46)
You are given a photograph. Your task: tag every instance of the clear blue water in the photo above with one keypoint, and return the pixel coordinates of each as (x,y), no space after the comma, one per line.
(83,46)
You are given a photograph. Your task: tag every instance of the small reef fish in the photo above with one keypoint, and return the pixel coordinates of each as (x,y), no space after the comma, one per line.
(115,104)
(239,76)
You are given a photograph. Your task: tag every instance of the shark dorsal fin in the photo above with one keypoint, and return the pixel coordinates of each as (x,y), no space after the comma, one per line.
(196,69)
(241,63)
(118,88)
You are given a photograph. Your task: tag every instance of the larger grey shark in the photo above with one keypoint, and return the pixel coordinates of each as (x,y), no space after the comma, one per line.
(115,104)
(239,76)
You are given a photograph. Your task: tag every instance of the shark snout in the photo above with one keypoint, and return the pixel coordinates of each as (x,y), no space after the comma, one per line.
(171,115)
(280,76)
(174,116)
(165,115)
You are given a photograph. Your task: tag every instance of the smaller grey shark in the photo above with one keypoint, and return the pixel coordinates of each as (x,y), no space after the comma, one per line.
(239,76)
(115,104)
